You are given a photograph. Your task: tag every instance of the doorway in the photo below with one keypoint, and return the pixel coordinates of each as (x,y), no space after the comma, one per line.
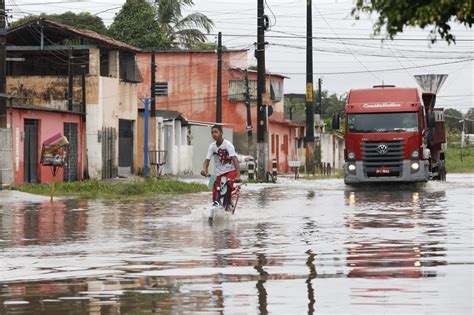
(125,147)
(30,158)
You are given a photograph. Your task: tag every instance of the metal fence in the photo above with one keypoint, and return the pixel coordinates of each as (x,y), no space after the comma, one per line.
(6,157)
(109,167)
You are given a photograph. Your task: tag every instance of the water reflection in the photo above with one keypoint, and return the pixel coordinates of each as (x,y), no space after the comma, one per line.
(312,275)
(393,234)
(93,297)
(286,251)
(44,223)
(262,292)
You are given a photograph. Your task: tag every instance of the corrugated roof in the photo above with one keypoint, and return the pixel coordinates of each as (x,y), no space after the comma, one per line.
(254,71)
(91,35)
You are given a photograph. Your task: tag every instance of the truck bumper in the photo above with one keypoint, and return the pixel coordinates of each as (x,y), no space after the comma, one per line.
(406,176)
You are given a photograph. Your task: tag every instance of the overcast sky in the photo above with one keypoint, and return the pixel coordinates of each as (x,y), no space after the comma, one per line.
(341,62)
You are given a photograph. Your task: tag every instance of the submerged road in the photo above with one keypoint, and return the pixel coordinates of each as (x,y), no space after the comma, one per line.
(293,248)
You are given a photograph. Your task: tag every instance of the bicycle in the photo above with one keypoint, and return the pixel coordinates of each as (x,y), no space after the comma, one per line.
(224,196)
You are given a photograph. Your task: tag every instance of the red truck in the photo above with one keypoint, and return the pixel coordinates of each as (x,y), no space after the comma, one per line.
(394,135)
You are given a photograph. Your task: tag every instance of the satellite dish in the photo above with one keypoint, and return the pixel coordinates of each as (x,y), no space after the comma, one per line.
(269,110)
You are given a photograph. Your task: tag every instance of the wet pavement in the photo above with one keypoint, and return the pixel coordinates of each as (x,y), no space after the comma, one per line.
(291,248)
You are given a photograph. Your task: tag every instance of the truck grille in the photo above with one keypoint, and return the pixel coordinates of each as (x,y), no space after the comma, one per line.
(377,164)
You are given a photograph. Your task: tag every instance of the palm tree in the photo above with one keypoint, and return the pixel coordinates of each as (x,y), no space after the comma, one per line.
(181,31)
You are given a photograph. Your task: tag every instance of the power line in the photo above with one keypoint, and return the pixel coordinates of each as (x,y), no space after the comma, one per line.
(341,38)
(383,70)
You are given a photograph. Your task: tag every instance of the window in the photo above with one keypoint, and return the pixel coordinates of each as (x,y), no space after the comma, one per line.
(276,91)
(285,144)
(45,63)
(237,90)
(382,122)
(128,68)
(161,89)
(104,63)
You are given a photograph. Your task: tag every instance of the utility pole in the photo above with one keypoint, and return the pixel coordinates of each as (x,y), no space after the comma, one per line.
(249,114)
(219,80)
(153,84)
(70,86)
(309,90)
(3,64)
(320,98)
(262,139)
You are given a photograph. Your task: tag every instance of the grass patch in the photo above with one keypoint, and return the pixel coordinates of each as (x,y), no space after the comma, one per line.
(337,175)
(104,189)
(454,164)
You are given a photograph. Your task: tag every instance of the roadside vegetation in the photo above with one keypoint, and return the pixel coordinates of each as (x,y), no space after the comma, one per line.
(458,159)
(336,174)
(106,189)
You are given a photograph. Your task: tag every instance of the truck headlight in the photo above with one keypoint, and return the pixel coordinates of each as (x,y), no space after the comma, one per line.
(415,154)
(351,155)
(415,166)
(351,168)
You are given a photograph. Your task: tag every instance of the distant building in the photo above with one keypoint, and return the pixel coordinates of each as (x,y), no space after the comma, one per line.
(187,83)
(183,142)
(331,143)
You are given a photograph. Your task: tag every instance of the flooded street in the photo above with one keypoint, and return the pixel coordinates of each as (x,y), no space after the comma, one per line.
(291,248)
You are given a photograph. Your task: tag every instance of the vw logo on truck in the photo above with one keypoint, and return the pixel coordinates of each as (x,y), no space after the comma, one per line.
(382,149)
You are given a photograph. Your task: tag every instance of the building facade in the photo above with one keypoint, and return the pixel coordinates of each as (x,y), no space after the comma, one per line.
(187,83)
(78,83)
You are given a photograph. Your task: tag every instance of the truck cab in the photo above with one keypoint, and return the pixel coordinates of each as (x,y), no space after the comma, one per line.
(386,136)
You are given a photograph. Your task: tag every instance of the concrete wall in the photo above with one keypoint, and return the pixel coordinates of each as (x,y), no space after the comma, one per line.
(192,81)
(332,150)
(281,151)
(108,101)
(6,157)
(47,91)
(201,140)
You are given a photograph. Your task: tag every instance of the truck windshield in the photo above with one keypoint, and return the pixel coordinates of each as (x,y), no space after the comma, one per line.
(382,122)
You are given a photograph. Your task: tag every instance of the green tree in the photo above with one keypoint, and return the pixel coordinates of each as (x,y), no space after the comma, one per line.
(136,25)
(178,30)
(207,46)
(452,119)
(81,20)
(331,104)
(453,113)
(161,25)
(395,15)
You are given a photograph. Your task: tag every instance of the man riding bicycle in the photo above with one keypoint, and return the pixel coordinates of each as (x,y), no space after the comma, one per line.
(225,161)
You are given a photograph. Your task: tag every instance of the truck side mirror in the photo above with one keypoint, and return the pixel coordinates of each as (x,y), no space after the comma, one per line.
(335,121)
(431,120)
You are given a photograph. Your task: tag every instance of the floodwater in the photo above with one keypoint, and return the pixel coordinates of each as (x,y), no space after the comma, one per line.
(293,248)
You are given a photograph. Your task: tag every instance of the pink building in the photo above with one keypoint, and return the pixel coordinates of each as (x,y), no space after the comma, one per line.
(31,127)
